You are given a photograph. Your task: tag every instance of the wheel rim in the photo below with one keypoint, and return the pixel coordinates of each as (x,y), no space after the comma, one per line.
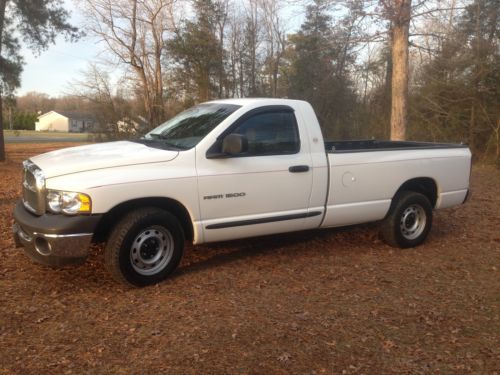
(151,250)
(413,221)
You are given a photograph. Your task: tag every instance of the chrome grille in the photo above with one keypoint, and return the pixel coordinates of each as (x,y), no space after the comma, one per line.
(33,193)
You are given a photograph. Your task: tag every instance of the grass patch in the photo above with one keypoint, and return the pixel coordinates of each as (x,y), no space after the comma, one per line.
(35,134)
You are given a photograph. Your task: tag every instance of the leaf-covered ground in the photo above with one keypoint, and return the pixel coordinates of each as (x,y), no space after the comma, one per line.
(332,301)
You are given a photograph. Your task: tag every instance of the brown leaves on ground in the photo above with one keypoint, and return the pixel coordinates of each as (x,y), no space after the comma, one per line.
(320,302)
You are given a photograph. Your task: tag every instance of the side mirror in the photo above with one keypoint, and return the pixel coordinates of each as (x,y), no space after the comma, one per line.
(234,144)
(231,145)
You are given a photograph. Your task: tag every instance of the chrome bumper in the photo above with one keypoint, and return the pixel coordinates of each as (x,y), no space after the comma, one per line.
(53,249)
(54,240)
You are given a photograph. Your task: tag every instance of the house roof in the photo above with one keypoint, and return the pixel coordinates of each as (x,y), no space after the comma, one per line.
(74,115)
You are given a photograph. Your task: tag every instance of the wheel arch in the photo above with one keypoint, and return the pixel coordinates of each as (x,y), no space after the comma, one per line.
(423,185)
(109,219)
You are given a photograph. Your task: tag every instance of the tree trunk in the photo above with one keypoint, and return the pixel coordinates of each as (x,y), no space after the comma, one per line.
(400,70)
(10,118)
(204,84)
(476,82)
(253,69)
(221,59)
(472,128)
(3,5)
(159,102)
(497,154)
(2,145)
(386,104)
(148,101)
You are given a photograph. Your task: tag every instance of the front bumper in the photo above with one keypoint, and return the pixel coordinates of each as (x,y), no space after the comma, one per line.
(53,240)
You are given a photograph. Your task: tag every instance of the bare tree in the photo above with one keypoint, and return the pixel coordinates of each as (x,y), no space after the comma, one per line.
(222,21)
(35,102)
(235,43)
(135,32)
(276,39)
(106,100)
(251,45)
(389,21)
(244,41)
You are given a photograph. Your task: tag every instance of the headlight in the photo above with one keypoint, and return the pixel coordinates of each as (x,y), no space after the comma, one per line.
(68,202)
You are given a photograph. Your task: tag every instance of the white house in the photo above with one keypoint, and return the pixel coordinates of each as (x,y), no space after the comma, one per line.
(72,122)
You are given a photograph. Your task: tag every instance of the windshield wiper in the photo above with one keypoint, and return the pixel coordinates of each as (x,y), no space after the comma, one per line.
(164,141)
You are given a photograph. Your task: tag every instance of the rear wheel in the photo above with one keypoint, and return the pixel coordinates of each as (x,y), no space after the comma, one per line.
(409,220)
(144,247)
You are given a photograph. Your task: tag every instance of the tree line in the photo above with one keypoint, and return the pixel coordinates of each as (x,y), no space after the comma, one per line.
(398,69)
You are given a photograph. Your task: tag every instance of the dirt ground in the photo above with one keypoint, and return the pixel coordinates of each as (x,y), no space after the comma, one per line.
(331,301)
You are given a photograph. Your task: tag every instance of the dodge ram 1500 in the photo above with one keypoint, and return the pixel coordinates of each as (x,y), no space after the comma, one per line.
(223,170)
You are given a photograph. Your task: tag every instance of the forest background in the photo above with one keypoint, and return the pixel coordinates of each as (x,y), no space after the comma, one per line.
(403,69)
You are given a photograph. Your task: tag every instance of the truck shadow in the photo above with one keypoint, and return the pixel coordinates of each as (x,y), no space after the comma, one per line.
(339,240)
(202,258)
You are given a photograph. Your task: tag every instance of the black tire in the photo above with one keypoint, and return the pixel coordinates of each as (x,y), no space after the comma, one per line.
(144,247)
(409,220)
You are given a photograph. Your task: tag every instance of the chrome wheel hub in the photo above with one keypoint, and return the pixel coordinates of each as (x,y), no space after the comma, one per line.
(412,222)
(151,250)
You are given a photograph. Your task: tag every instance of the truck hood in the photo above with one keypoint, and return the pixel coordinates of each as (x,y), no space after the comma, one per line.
(99,156)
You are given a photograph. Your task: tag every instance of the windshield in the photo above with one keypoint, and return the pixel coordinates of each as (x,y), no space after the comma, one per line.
(185,130)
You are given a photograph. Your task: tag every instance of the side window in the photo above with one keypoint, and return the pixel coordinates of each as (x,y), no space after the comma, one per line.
(270,133)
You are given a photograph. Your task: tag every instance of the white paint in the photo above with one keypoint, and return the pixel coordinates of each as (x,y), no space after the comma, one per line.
(360,185)
(451,198)
(100,156)
(379,174)
(355,213)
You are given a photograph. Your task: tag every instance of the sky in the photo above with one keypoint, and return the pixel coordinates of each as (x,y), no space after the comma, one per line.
(54,69)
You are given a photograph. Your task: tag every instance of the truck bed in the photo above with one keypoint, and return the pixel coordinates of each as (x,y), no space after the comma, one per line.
(364,145)
(366,174)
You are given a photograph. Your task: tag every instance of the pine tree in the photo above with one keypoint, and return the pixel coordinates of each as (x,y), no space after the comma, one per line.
(37,23)
(197,48)
(458,94)
(315,72)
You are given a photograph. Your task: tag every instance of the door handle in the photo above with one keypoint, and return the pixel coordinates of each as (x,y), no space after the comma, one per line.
(298,168)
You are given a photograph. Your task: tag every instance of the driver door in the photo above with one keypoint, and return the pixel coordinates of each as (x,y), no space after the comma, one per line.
(263,190)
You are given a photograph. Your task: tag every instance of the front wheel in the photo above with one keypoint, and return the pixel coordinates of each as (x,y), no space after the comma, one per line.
(144,247)
(409,220)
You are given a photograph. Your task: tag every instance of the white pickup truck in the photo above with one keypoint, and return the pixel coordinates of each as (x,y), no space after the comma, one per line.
(223,170)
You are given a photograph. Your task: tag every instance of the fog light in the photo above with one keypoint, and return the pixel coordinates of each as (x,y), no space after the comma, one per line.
(42,246)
